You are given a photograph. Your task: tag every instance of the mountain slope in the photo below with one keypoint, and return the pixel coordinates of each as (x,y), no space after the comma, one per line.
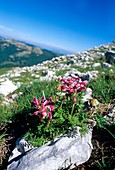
(14,53)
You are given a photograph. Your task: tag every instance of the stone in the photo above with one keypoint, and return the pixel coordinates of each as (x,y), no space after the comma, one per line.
(106,65)
(110,57)
(71,149)
(110,117)
(22,146)
(96,65)
(90,75)
(88,95)
(72,61)
(112,112)
(7,87)
(49,73)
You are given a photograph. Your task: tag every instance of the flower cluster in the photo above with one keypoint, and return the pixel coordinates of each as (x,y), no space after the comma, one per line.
(44,107)
(69,88)
(72,85)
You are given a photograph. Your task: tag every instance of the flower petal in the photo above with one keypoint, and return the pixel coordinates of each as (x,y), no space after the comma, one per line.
(50,107)
(74,100)
(64,88)
(35,101)
(49,115)
(43,113)
(36,112)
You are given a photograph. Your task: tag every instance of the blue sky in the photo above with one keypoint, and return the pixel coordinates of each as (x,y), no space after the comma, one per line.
(74,25)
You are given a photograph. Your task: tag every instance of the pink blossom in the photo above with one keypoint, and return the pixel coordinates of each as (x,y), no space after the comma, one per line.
(44,113)
(64,88)
(71,90)
(50,107)
(74,100)
(36,112)
(82,86)
(49,115)
(44,107)
(35,102)
(72,84)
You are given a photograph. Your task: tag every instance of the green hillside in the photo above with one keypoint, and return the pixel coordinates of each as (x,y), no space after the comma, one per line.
(14,53)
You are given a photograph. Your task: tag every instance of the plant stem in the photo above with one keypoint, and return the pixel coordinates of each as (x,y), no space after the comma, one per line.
(72,109)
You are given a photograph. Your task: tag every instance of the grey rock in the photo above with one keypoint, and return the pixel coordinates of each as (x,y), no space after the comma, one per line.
(7,87)
(96,65)
(106,65)
(72,61)
(88,95)
(22,146)
(49,73)
(110,57)
(110,117)
(62,152)
(88,76)
(112,112)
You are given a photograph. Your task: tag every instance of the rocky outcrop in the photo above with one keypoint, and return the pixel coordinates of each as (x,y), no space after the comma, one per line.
(110,57)
(71,149)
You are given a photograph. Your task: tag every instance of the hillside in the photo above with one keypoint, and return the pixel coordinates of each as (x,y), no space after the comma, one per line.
(94,71)
(14,53)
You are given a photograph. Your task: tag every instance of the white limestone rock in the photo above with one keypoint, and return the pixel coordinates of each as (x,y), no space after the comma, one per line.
(49,73)
(71,61)
(63,151)
(88,95)
(96,65)
(7,87)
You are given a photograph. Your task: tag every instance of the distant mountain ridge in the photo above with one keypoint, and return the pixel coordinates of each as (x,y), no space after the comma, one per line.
(41,45)
(16,53)
(54,49)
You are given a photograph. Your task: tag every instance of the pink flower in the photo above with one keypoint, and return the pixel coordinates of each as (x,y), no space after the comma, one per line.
(44,107)
(35,102)
(36,112)
(44,113)
(64,88)
(71,90)
(46,102)
(82,86)
(72,84)
(49,115)
(74,100)
(51,108)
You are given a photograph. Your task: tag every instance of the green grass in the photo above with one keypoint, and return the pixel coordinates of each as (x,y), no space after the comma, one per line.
(5,114)
(21,109)
(104,88)
(1,99)
(61,72)
(25,78)
(4,70)
(22,103)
